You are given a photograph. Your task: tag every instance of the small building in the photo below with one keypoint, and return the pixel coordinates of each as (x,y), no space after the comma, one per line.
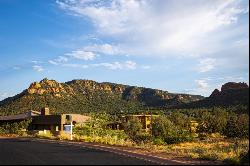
(145,120)
(55,123)
(45,121)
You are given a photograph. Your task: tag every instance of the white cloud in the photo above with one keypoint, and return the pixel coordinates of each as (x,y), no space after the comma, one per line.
(107,49)
(159,27)
(16,68)
(82,55)
(58,60)
(128,65)
(202,87)
(62,59)
(36,62)
(53,62)
(206,64)
(146,67)
(38,68)
(202,84)
(4,95)
(75,66)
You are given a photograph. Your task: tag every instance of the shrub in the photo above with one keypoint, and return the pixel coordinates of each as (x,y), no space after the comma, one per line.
(178,137)
(179,119)
(213,121)
(237,126)
(42,134)
(14,128)
(244,159)
(63,136)
(231,161)
(133,128)
(158,141)
(162,127)
(142,138)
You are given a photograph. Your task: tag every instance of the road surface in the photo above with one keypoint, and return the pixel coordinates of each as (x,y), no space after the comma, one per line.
(27,152)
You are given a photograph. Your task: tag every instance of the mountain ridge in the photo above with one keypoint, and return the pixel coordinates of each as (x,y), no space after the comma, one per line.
(231,93)
(87,94)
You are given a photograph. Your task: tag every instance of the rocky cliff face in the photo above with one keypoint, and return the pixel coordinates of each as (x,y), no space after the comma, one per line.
(231,93)
(233,86)
(52,87)
(88,95)
(148,96)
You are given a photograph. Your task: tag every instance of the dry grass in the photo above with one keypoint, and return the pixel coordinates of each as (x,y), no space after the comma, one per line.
(46,134)
(109,140)
(215,149)
(211,149)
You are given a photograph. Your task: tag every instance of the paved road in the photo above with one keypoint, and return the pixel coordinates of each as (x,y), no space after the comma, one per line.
(26,152)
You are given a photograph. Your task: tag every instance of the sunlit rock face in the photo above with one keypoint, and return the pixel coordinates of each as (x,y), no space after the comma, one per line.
(87,96)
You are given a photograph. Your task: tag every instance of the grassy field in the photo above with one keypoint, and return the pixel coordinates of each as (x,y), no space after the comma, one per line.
(212,149)
(215,148)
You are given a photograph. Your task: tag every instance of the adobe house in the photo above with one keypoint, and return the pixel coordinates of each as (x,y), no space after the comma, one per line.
(45,121)
(144,119)
(55,123)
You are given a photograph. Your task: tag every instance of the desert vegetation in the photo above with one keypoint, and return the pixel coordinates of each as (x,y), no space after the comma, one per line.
(221,134)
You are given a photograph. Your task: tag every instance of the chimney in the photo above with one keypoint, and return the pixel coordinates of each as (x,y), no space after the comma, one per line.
(45,111)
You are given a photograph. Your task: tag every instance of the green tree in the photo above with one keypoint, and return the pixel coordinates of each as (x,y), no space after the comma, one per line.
(133,128)
(162,127)
(179,119)
(237,126)
(98,120)
(213,121)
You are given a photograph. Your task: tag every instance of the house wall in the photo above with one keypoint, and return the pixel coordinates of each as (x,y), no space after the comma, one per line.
(48,122)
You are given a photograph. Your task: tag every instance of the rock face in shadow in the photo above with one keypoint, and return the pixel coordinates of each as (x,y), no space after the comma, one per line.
(231,93)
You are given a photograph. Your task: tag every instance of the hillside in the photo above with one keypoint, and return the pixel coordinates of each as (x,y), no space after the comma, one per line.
(231,94)
(79,96)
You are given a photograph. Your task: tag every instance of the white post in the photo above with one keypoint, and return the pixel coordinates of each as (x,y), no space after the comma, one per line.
(71,130)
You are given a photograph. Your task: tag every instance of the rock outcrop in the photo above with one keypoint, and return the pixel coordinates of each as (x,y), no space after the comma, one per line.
(88,95)
(231,93)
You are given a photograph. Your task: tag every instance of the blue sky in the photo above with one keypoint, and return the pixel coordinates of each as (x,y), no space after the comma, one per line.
(181,46)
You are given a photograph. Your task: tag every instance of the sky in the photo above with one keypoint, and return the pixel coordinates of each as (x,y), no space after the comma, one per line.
(182,46)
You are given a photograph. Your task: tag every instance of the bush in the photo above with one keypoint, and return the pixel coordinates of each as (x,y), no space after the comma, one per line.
(162,127)
(142,138)
(213,121)
(237,126)
(14,128)
(158,141)
(107,136)
(179,119)
(178,137)
(244,159)
(231,161)
(133,128)
(42,134)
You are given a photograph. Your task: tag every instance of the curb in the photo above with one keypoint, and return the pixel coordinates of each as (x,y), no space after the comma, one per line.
(150,158)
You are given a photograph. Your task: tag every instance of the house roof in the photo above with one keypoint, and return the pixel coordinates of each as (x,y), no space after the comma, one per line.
(22,116)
